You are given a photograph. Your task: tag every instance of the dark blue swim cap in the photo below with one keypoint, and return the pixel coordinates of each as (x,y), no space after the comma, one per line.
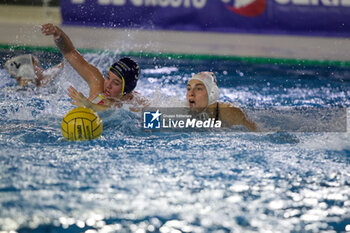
(128,70)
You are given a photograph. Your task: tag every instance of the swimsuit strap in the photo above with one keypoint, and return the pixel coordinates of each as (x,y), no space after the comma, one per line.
(100,99)
(217,111)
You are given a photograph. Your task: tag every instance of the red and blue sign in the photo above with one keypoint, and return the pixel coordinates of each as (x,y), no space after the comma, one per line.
(310,17)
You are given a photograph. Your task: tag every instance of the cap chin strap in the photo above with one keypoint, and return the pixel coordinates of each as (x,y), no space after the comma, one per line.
(123,86)
(122,77)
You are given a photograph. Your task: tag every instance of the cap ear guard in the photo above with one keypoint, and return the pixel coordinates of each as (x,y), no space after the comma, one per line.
(213,93)
(213,96)
(115,70)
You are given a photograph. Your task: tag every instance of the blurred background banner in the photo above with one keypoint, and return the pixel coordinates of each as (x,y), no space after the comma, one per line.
(305,17)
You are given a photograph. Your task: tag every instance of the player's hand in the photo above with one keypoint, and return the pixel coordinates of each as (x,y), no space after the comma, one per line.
(78,98)
(50,29)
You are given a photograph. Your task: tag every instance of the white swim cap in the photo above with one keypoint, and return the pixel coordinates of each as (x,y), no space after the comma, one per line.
(210,83)
(21,66)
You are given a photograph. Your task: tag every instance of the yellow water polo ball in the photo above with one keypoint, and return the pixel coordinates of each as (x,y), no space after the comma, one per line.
(81,124)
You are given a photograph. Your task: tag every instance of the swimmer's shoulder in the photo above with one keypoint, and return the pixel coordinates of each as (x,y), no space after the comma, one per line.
(235,116)
(230,113)
(230,107)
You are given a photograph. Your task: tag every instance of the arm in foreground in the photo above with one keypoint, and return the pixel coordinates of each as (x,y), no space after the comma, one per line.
(90,73)
(78,99)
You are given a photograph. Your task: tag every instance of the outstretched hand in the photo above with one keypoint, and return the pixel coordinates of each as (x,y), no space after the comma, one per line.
(78,98)
(50,29)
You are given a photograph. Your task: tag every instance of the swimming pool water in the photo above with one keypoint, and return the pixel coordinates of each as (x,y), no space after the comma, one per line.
(130,180)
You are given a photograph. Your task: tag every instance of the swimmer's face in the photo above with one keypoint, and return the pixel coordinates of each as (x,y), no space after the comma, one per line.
(197,95)
(112,86)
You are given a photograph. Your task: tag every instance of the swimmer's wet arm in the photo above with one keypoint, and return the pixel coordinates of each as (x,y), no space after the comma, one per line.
(250,125)
(62,41)
(98,107)
(90,73)
(81,101)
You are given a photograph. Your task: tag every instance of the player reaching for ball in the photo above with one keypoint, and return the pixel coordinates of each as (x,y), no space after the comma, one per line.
(113,90)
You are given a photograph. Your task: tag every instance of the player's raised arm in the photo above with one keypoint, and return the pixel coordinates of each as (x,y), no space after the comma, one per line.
(89,72)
